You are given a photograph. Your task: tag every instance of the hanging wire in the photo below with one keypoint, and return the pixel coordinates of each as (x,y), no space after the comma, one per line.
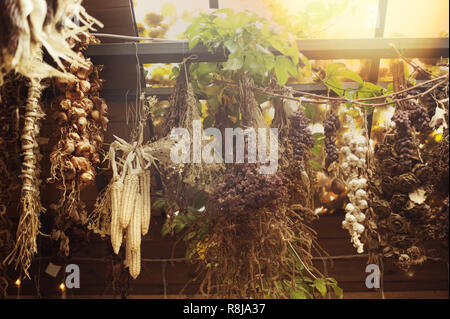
(134,38)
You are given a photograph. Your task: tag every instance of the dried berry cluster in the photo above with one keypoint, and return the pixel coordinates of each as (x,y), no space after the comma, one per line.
(330,126)
(300,135)
(81,114)
(418,117)
(404,146)
(244,190)
(428,101)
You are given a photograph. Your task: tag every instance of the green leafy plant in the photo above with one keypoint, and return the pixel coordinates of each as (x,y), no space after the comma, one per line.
(247,39)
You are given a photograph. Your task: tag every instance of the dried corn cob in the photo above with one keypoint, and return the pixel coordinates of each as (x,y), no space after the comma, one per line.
(134,227)
(127,260)
(130,190)
(135,263)
(132,257)
(146,202)
(116,229)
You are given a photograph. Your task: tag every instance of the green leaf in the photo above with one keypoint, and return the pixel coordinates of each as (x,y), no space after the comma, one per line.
(310,112)
(390,88)
(335,85)
(175,72)
(194,41)
(269,62)
(233,63)
(338,290)
(165,229)
(299,294)
(305,61)
(231,45)
(318,147)
(206,68)
(190,235)
(315,165)
(349,74)
(213,104)
(277,44)
(283,67)
(321,286)
(334,70)
(318,136)
(251,63)
(159,204)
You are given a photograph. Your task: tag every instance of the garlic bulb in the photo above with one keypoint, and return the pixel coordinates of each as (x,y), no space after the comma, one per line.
(354,161)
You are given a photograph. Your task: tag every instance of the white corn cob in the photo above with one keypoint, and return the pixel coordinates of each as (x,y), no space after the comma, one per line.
(146,202)
(134,228)
(135,263)
(130,190)
(116,229)
(127,260)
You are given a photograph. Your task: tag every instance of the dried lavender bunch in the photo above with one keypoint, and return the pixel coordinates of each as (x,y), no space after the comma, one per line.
(300,135)
(330,126)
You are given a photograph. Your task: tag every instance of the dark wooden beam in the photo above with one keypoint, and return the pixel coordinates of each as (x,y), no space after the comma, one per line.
(315,49)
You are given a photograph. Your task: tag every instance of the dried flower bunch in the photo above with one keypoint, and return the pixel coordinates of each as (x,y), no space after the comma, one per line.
(408,208)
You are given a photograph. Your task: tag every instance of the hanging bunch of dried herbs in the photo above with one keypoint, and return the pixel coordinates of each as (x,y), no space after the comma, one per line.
(247,218)
(180,177)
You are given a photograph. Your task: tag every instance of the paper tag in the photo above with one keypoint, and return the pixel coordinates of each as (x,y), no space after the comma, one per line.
(52,269)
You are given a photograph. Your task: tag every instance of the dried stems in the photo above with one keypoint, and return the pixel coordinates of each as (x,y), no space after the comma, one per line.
(30,203)
(320,99)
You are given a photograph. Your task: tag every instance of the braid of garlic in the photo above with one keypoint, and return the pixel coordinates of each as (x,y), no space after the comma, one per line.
(354,161)
(30,204)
